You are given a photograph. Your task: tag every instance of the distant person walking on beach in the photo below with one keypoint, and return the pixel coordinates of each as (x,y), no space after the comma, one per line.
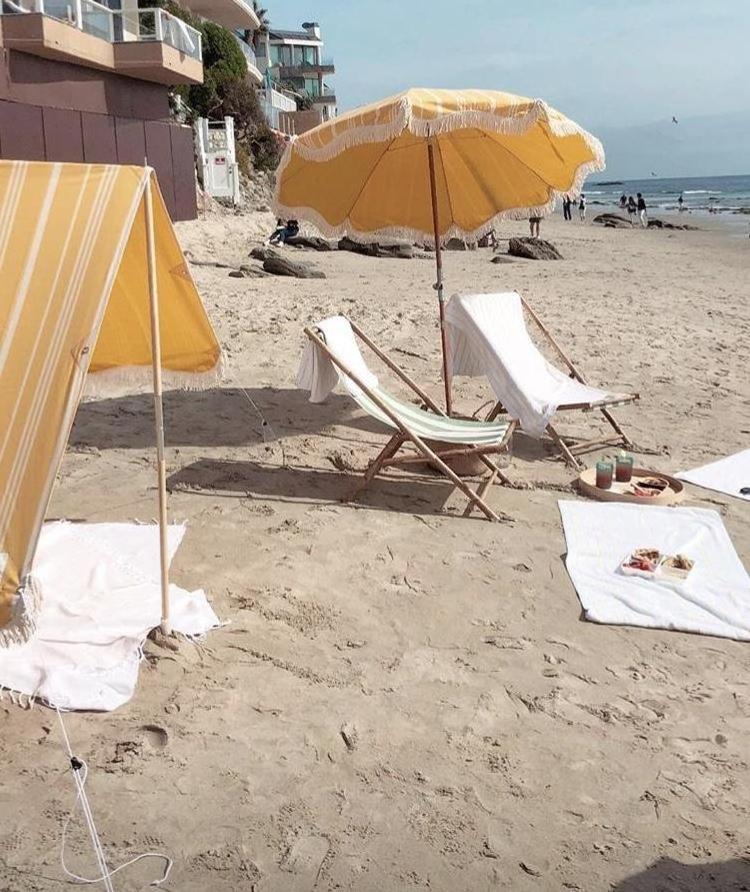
(642,211)
(534,223)
(681,203)
(582,208)
(566,208)
(631,208)
(623,202)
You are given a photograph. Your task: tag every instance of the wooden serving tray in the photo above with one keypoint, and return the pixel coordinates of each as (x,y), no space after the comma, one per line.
(619,492)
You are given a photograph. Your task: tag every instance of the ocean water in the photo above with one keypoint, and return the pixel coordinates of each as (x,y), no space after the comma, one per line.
(724,195)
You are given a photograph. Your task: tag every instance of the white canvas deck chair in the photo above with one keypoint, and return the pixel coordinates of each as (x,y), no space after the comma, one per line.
(333,355)
(488,336)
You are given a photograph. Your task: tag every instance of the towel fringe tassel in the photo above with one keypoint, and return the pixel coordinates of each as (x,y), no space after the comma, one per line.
(25,608)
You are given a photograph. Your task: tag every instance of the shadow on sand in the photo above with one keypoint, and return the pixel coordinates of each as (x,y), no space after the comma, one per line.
(218,417)
(666,875)
(249,479)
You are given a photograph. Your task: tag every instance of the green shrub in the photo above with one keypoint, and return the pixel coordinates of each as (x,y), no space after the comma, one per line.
(226,91)
(220,50)
(239,99)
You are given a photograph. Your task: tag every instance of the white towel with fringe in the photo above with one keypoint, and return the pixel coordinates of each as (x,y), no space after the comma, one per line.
(319,374)
(714,600)
(728,475)
(487,335)
(101,595)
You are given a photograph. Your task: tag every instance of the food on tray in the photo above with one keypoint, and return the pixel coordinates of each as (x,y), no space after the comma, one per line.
(676,566)
(648,487)
(652,564)
(643,560)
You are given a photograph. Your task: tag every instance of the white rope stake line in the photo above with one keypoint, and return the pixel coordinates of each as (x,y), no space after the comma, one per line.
(80,772)
(265,426)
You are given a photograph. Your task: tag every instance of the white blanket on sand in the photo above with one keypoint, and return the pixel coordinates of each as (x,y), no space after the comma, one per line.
(101,595)
(728,475)
(319,374)
(714,600)
(487,335)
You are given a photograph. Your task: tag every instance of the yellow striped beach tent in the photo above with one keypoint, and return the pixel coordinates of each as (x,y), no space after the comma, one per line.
(91,278)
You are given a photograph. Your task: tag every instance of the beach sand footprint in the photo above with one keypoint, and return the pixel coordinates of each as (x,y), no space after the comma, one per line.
(305,858)
(154,736)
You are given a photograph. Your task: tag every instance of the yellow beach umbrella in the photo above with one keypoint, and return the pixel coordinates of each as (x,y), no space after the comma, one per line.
(430,165)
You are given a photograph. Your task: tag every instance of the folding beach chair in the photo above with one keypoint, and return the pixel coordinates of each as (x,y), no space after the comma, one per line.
(333,355)
(488,336)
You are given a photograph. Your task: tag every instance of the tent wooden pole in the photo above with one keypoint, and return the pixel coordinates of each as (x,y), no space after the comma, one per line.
(153,292)
(439,283)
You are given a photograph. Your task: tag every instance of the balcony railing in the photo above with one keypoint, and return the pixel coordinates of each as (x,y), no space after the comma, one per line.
(273,103)
(115,25)
(327,96)
(306,65)
(162,27)
(86,15)
(247,51)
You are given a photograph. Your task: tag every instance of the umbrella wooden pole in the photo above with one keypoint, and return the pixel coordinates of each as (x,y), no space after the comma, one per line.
(439,283)
(153,293)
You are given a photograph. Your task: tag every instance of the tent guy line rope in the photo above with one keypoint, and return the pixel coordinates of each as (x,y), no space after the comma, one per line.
(266,426)
(80,771)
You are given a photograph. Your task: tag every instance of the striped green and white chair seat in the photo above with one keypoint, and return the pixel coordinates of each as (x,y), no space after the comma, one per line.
(340,340)
(427,424)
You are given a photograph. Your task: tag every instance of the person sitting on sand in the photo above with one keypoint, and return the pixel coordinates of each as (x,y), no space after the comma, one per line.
(534,223)
(284,231)
(631,208)
(582,208)
(642,211)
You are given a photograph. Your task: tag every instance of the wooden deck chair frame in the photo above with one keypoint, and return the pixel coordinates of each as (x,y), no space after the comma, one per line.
(389,457)
(571,450)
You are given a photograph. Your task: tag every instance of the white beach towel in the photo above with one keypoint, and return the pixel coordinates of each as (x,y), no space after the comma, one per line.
(728,475)
(101,595)
(318,374)
(487,335)
(714,600)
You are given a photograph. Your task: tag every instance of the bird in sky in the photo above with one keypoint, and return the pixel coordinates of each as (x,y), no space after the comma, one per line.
(674,120)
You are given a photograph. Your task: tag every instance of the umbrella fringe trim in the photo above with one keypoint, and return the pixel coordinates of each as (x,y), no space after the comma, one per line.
(359,136)
(404,121)
(410,234)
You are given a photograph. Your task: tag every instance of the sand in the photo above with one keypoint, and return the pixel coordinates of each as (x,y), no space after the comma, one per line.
(402,698)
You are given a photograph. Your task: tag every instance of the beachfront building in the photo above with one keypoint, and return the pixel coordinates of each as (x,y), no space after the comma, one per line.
(296,62)
(82,80)
(239,17)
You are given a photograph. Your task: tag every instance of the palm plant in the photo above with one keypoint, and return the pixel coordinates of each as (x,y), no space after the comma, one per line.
(265,22)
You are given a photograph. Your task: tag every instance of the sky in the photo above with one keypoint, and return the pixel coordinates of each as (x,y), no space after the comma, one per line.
(611,65)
